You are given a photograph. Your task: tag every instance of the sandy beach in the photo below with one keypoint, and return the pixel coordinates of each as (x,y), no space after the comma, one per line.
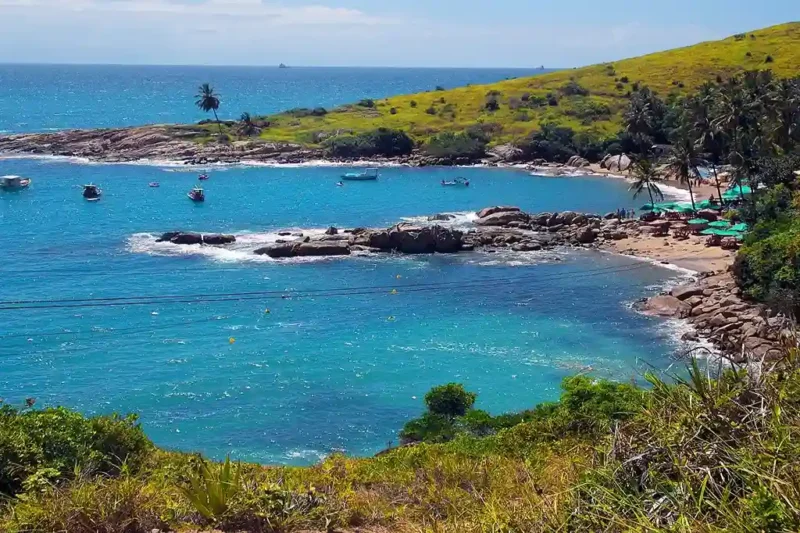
(691,254)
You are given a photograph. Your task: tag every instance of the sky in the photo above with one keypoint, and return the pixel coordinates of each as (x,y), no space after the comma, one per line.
(406,33)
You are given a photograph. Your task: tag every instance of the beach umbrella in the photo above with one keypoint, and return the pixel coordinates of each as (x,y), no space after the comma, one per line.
(720,232)
(647,207)
(697,222)
(719,224)
(740,227)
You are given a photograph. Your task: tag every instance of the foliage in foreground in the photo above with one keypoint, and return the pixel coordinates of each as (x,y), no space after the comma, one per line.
(698,454)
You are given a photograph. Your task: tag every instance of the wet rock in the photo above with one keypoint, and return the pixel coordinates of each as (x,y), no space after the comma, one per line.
(321,248)
(527,247)
(441,217)
(483,213)
(331,231)
(187,238)
(502,218)
(277,251)
(684,292)
(667,306)
(218,239)
(586,236)
(577,161)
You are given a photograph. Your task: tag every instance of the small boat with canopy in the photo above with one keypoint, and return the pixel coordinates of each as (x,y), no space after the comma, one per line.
(203,177)
(14,183)
(92,193)
(369,174)
(458,182)
(197,195)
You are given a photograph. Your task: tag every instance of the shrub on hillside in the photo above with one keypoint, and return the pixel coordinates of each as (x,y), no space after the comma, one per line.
(380,142)
(367,102)
(301,112)
(453,146)
(573,88)
(38,447)
(492,102)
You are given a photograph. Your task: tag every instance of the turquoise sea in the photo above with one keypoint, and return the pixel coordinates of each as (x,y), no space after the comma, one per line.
(339,362)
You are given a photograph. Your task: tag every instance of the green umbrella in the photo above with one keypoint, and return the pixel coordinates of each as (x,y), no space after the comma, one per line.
(720,232)
(697,222)
(719,224)
(740,227)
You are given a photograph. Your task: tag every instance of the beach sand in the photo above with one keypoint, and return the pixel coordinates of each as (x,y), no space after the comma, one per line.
(691,254)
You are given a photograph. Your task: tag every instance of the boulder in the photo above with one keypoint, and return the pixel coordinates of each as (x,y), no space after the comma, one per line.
(586,236)
(667,306)
(331,231)
(496,209)
(168,236)
(187,238)
(217,239)
(441,217)
(502,218)
(577,161)
(684,292)
(616,163)
(527,246)
(277,251)
(321,248)
(414,240)
(506,152)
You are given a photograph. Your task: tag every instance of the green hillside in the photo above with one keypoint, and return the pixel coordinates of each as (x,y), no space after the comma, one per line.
(587,99)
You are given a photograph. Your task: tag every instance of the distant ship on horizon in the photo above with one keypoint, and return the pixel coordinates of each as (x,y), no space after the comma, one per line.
(282,65)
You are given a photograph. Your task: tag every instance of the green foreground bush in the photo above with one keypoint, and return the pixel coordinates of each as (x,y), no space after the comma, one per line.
(381,142)
(697,454)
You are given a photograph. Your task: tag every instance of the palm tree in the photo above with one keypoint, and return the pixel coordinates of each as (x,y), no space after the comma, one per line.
(683,162)
(208,100)
(247,127)
(645,179)
(711,138)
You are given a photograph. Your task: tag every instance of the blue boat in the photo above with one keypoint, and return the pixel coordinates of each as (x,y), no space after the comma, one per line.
(370,174)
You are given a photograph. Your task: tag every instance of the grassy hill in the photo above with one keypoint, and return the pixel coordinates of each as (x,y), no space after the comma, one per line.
(589,99)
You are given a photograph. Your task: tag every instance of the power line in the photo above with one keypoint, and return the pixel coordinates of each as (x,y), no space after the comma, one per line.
(121,301)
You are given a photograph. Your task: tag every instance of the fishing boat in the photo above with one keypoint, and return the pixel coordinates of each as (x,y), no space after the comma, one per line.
(154,184)
(92,193)
(369,174)
(14,183)
(458,182)
(197,195)
(203,177)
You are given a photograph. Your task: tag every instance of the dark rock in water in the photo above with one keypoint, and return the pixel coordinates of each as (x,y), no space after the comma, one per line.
(187,238)
(168,236)
(331,231)
(321,248)
(441,217)
(667,306)
(502,218)
(277,251)
(527,247)
(496,209)
(284,233)
(216,239)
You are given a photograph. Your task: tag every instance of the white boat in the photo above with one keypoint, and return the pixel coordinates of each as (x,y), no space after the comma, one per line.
(368,175)
(458,182)
(14,183)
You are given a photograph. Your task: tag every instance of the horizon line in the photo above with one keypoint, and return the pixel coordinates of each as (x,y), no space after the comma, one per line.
(269,66)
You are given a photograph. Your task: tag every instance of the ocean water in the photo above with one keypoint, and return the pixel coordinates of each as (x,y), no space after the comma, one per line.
(339,362)
(51,97)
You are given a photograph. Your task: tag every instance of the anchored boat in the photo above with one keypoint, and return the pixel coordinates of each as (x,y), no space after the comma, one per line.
(92,193)
(370,174)
(458,182)
(197,195)
(14,183)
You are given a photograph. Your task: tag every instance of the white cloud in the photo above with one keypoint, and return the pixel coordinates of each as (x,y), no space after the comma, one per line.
(251,10)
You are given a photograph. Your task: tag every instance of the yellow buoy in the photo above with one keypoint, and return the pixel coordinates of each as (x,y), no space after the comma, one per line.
(266,311)
(394,291)
(391,319)
(231,340)
(398,276)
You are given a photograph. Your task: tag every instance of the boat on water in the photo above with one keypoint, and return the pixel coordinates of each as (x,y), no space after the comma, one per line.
(458,182)
(197,195)
(14,183)
(92,193)
(203,177)
(154,184)
(369,174)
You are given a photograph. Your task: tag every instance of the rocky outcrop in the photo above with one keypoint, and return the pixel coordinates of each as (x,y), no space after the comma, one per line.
(185,237)
(503,218)
(744,330)
(577,161)
(506,152)
(496,209)
(616,163)
(321,248)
